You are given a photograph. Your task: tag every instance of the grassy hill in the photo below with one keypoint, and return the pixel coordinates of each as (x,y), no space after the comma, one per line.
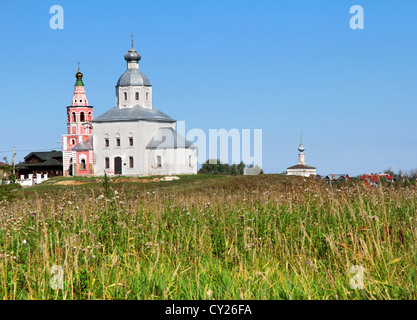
(208,237)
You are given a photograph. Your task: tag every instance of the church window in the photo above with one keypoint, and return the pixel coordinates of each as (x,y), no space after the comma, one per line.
(131,141)
(107,163)
(147,95)
(125,95)
(117,142)
(130,162)
(74,118)
(72,141)
(137,95)
(106,142)
(81,100)
(89,115)
(189,161)
(158,161)
(83,164)
(82,116)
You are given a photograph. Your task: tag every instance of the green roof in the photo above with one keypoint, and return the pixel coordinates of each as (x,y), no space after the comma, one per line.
(79,83)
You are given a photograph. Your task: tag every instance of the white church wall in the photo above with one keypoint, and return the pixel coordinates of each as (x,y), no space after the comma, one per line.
(124,130)
(301,172)
(173,161)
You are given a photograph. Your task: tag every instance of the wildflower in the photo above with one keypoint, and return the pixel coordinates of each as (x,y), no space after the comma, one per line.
(209,294)
(24,240)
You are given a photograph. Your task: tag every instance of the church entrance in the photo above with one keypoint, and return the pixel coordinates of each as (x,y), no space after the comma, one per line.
(117,165)
(70,168)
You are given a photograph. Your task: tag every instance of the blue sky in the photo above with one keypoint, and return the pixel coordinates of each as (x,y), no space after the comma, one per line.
(287,67)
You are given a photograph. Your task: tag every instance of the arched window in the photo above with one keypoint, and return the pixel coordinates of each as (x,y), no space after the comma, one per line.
(83,165)
(74,117)
(125,95)
(130,141)
(69,117)
(82,116)
(158,161)
(147,95)
(106,142)
(130,162)
(137,95)
(107,163)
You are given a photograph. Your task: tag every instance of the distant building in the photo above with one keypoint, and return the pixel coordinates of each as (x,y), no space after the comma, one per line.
(301,168)
(39,166)
(2,167)
(337,177)
(373,178)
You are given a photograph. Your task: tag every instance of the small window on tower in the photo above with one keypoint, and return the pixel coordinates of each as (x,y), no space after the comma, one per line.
(131,142)
(117,142)
(72,141)
(147,95)
(81,101)
(74,118)
(82,116)
(137,95)
(107,163)
(125,95)
(106,143)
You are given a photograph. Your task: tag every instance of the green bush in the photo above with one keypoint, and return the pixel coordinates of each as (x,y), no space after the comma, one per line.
(10,191)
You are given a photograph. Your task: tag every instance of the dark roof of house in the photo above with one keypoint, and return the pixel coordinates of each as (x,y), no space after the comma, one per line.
(87,144)
(46,155)
(133,114)
(337,176)
(2,164)
(48,159)
(301,166)
(168,138)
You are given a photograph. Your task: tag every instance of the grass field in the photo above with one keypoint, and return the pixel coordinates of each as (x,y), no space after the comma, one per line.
(208,237)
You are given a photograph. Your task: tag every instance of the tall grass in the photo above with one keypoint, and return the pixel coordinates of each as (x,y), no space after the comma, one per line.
(252,237)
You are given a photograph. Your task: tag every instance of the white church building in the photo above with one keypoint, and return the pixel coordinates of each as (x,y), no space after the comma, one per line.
(134,138)
(301,168)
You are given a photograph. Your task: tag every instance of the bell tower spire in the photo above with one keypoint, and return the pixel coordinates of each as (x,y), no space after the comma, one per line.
(301,155)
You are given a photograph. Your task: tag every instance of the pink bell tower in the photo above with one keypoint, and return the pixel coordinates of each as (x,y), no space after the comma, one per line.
(77,143)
